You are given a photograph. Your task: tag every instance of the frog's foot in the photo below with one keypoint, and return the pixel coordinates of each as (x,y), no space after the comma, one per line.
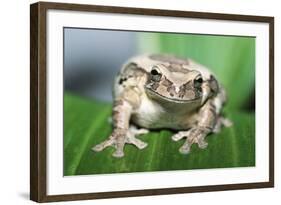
(194,135)
(119,138)
(220,123)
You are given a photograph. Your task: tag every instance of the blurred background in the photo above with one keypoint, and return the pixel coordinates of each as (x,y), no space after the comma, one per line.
(93,57)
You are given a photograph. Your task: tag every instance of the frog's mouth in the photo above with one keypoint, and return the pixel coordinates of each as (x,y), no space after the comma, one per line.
(156,96)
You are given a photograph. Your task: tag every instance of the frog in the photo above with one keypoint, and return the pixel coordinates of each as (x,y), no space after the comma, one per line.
(163,91)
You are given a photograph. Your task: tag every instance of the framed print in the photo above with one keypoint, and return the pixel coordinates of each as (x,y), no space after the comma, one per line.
(133,102)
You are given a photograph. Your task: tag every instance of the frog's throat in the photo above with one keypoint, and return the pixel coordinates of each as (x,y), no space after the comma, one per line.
(154,95)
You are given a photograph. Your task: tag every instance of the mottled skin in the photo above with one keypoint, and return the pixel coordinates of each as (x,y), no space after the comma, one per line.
(162,91)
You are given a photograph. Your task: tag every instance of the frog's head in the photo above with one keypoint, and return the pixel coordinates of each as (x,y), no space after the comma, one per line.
(177,85)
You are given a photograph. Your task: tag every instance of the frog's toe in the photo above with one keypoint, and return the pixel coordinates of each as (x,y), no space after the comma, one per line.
(133,130)
(119,145)
(142,131)
(220,123)
(180,135)
(202,144)
(226,122)
(194,135)
(118,153)
(103,145)
(137,142)
(97,148)
(185,148)
(177,137)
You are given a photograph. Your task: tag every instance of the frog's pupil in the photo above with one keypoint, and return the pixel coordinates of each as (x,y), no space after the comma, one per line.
(198,82)
(154,72)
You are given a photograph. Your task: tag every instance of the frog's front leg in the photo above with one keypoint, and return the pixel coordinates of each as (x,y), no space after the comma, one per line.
(122,132)
(207,119)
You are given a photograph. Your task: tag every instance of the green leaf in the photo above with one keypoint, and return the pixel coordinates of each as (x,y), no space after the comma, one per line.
(86,123)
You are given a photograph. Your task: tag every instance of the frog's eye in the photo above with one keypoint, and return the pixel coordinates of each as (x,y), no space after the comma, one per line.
(155,74)
(154,71)
(198,82)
